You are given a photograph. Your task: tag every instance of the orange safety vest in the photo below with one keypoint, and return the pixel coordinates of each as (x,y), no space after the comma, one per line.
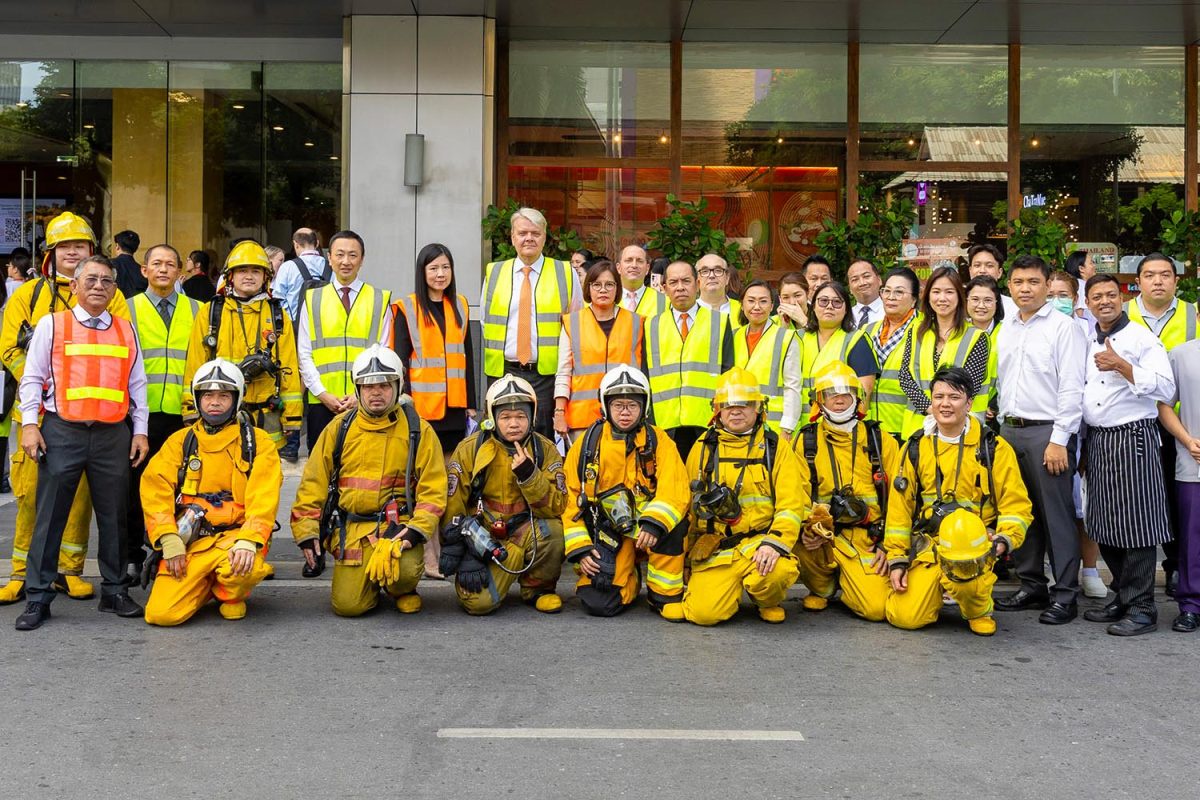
(437,372)
(593,354)
(91,369)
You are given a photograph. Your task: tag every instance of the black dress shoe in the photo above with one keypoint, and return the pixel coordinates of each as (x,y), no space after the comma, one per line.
(1171,583)
(1134,625)
(33,617)
(1022,599)
(121,604)
(1113,612)
(5,486)
(1187,622)
(1059,614)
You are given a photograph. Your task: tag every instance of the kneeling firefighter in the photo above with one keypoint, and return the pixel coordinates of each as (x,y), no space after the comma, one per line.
(209,497)
(507,492)
(372,493)
(952,468)
(626,501)
(849,460)
(748,495)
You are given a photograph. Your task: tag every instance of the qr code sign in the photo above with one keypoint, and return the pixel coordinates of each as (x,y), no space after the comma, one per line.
(12,229)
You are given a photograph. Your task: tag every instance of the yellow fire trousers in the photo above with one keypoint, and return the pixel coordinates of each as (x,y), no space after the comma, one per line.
(174,601)
(24,477)
(920,604)
(354,594)
(714,591)
(664,575)
(540,579)
(847,565)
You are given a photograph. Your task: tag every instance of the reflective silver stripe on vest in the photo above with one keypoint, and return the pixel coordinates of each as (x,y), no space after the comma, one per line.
(314,309)
(1190,323)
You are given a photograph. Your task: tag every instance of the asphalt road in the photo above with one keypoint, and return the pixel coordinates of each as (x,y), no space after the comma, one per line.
(294,702)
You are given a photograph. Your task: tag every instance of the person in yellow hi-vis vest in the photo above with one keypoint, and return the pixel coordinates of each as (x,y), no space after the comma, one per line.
(955,465)
(69,240)
(249,327)
(749,494)
(771,353)
(627,500)
(163,319)
(524,301)
(888,338)
(373,493)
(210,496)
(339,321)
(830,336)
(849,462)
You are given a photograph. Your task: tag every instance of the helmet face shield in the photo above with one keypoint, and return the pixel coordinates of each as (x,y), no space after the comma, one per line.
(967,570)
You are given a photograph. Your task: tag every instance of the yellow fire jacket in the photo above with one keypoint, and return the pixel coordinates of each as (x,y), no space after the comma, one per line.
(853,464)
(1004,508)
(773,503)
(543,494)
(223,472)
(244,328)
(373,462)
(661,497)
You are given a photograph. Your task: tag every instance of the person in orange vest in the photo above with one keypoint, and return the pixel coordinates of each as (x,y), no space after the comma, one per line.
(84,369)
(594,339)
(430,335)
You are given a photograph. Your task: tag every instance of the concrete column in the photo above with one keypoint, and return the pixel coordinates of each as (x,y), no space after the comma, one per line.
(427,75)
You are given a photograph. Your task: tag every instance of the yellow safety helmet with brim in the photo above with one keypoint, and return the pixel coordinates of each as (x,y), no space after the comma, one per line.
(738,387)
(964,549)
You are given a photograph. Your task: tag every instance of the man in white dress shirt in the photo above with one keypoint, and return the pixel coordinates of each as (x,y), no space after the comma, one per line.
(636,296)
(84,369)
(1128,375)
(1040,378)
(864,283)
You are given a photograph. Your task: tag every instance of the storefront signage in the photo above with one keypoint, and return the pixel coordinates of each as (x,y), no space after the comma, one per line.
(1104,254)
(1034,200)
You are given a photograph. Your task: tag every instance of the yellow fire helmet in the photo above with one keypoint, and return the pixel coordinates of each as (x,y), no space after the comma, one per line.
(248,254)
(737,387)
(66,227)
(964,551)
(836,377)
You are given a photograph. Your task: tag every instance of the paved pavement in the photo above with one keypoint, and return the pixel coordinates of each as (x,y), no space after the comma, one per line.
(293,702)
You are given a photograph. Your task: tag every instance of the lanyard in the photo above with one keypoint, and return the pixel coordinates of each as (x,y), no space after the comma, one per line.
(837,478)
(939,478)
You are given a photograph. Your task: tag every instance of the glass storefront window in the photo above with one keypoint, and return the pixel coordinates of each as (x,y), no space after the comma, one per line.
(940,103)
(599,99)
(1102,139)
(771,104)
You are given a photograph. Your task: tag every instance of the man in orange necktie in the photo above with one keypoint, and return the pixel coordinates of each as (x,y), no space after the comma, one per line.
(524,300)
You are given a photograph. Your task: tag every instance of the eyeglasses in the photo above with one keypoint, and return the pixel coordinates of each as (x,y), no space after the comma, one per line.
(712,272)
(604,287)
(617,406)
(982,301)
(91,280)
(830,302)
(897,293)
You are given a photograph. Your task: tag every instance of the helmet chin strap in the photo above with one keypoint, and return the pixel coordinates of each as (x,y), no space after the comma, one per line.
(841,420)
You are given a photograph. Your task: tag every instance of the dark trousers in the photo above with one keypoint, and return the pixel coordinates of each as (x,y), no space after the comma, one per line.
(160,428)
(1170,561)
(1188,535)
(1053,529)
(685,437)
(543,387)
(73,449)
(316,418)
(1133,577)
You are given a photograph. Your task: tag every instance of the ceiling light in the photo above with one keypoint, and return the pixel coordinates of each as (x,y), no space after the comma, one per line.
(87,126)
(912,142)
(1034,142)
(663,139)
(779,140)
(333,158)
(238,106)
(309,144)
(277,127)
(616,137)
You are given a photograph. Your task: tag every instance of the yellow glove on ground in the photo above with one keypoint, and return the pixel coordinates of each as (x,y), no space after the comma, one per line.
(384,566)
(172,546)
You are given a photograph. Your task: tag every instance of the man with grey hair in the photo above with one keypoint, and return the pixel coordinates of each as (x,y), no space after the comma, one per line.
(84,370)
(524,300)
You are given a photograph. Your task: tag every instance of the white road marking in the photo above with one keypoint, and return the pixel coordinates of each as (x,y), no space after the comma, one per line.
(687,734)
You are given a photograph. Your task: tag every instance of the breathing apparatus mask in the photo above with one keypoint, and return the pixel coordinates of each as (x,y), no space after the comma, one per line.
(256,364)
(714,501)
(846,508)
(617,511)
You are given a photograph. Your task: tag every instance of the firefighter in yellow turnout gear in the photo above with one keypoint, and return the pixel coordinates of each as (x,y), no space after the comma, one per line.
(247,326)
(748,495)
(69,240)
(849,461)
(373,492)
(209,497)
(951,466)
(507,492)
(626,499)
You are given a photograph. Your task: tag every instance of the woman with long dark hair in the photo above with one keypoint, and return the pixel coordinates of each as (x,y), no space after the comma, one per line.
(830,336)
(943,337)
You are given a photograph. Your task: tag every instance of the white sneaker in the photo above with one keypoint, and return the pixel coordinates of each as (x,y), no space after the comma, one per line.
(1093,586)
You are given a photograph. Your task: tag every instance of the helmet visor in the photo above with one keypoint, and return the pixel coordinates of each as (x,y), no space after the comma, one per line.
(966,570)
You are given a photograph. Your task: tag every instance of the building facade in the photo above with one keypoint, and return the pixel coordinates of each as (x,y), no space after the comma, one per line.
(250,119)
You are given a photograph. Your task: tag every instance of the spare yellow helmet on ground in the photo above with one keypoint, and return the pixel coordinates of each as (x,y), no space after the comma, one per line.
(737,387)
(964,550)
(249,254)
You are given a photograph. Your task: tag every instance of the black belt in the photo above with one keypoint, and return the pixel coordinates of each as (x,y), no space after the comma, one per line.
(530,367)
(1017,422)
(737,538)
